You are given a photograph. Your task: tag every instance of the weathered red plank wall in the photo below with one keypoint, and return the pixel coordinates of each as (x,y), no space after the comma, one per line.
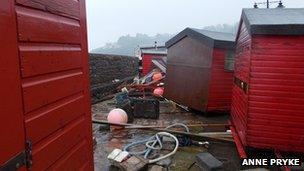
(53,55)
(276,110)
(270,114)
(220,87)
(11,113)
(239,107)
(147,62)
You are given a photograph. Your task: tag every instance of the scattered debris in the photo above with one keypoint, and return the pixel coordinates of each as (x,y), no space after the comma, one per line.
(141,100)
(145,108)
(208,162)
(160,64)
(114,154)
(165,163)
(226,136)
(132,163)
(104,127)
(154,143)
(157,168)
(143,128)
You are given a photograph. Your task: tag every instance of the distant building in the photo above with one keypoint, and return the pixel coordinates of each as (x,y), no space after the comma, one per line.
(149,53)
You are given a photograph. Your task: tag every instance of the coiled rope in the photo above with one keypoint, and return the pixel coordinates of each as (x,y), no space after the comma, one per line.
(152,142)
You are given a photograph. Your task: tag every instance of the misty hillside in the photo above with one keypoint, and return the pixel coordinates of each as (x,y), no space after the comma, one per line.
(126,45)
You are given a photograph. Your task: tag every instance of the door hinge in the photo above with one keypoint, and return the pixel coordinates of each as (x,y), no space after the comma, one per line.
(14,163)
(28,152)
(24,158)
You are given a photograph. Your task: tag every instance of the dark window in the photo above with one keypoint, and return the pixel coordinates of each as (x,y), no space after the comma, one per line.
(229,61)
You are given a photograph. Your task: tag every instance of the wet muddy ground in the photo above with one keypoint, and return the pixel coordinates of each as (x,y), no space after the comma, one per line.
(185,156)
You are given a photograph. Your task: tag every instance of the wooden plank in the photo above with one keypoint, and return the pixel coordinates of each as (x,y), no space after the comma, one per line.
(38,26)
(193,136)
(69,8)
(87,104)
(42,59)
(44,122)
(73,160)
(40,91)
(11,113)
(55,84)
(48,151)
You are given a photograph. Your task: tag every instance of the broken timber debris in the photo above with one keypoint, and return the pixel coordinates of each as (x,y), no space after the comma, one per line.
(190,135)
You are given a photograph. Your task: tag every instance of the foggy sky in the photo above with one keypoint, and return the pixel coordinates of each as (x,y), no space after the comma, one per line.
(110,19)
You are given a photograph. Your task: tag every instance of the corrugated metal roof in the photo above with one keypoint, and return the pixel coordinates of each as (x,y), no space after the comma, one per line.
(211,38)
(282,21)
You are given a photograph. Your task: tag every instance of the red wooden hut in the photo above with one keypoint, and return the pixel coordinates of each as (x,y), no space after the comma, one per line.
(200,69)
(45,113)
(268,91)
(150,53)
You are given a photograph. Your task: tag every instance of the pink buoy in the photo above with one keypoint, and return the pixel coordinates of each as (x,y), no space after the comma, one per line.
(158,91)
(117,116)
(157,76)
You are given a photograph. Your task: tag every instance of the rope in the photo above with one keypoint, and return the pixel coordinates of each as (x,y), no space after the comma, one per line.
(153,141)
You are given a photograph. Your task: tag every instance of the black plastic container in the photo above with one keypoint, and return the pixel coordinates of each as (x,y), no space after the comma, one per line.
(126,106)
(145,108)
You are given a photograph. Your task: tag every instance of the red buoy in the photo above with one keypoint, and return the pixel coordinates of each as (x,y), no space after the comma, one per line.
(158,91)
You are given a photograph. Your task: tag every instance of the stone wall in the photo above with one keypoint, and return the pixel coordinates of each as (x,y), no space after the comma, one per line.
(107,72)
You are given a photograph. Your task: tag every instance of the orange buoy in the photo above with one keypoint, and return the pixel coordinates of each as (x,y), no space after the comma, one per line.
(157,76)
(158,91)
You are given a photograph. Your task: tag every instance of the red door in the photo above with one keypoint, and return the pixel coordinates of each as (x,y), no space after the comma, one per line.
(12,139)
(45,98)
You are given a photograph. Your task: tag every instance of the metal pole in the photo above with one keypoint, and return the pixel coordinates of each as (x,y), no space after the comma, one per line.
(267,3)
